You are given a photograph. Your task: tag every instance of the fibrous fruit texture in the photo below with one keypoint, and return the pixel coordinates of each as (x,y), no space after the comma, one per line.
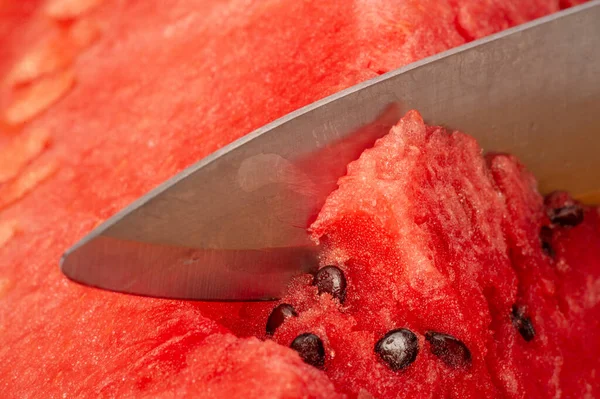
(101,100)
(451,290)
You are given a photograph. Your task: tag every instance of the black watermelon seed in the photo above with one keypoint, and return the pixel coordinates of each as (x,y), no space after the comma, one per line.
(398,348)
(567,216)
(546,240)
(449,349)
(562,209)
(522,323)
(279,315)
(331,279)
(310,348)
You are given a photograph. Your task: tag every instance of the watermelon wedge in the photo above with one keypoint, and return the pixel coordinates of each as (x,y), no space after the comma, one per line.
(101,100)
(442,275)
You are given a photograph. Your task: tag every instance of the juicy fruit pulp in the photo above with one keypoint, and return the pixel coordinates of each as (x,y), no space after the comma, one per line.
(101,100)
(442,255)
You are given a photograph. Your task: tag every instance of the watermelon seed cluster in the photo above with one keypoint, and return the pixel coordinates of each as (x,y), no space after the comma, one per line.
(563,211)
(399,348)
(328,279)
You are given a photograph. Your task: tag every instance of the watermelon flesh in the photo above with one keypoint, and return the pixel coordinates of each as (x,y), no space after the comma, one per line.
(102,100)
(434,238)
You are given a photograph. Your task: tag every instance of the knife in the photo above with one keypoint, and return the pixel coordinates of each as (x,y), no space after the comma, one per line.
(233,225)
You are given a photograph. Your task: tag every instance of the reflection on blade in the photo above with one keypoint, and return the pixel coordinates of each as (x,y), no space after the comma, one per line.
(281,197)
(170,271)
(532,91)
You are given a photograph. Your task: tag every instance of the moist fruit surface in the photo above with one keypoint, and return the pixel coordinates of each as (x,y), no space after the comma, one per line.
(102,100)
(451,291)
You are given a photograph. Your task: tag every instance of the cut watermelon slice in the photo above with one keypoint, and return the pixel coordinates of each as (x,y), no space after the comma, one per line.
(450,292)
(102,100)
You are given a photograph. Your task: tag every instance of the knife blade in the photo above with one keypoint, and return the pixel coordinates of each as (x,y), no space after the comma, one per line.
(233,225)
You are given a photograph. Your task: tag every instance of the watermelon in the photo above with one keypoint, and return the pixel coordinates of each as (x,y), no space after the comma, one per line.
(101,100)
(443,285)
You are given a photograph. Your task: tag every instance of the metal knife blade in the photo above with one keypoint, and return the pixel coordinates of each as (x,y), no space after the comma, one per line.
(233,226)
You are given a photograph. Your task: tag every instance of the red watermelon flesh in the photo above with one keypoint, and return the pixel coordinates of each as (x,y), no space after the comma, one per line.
(432,238)
(102,100)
